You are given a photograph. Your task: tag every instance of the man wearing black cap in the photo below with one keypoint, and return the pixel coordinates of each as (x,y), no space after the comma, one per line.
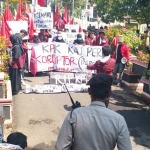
(95,127)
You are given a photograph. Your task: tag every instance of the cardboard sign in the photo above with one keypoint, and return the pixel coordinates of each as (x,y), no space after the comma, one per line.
(61,57)
(43,20)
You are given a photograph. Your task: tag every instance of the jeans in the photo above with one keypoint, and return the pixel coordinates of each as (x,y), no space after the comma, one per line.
(119,67)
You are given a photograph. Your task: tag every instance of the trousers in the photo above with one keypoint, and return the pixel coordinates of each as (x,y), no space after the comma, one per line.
(119,68)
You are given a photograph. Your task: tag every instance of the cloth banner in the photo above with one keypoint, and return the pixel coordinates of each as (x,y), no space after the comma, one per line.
(63,57)
(43,20)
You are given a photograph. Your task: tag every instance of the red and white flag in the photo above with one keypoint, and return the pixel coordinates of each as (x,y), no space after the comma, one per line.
(33,62)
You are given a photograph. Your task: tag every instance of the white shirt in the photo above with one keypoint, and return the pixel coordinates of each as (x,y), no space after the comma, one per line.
(95,128)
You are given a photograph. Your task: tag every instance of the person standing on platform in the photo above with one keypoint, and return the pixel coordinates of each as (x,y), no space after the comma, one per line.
(17,63)
(101,40)
(122,56)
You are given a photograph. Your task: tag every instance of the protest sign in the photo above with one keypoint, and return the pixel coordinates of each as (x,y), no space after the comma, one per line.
(64,58)
(16,26)
(61,78)
(70,37)
(72,26)
(43,20)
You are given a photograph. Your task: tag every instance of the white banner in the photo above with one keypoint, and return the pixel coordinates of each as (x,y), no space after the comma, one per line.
(43,20)
(70,37)
(87,13)
(63,57)
(71,27)
(16,26)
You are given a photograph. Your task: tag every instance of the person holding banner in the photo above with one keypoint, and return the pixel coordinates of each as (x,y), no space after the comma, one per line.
(35,39)
(59,37)
(106,65)
(101,40)
(92,39)
(17,62)
(79,40)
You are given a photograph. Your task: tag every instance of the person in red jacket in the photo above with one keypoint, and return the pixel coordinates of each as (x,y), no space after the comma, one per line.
(122,56)
(101,40)
(106,64)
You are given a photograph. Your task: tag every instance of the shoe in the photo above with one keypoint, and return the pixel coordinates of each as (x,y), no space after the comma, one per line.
(118,84)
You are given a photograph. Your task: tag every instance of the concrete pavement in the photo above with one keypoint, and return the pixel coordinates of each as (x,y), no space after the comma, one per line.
(40,116)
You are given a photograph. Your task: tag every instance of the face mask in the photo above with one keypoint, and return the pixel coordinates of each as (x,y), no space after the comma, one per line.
(79,39)
(59,37)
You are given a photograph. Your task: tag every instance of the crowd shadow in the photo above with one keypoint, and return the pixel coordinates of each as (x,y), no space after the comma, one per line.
(137,118)
(43,146)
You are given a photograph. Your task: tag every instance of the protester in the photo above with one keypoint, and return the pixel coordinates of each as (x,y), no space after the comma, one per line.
(35,39)
(17,61)
(59,37)
(47,35)
(101,40)
(25,49)
(66,30)
(73,30)
(41,35)
(95,127)
(122,56)
(92,39)
(18,138)
(79,40)
(106,64)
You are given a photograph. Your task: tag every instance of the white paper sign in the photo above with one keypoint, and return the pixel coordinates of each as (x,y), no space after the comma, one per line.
(71,27)
(43,20)
(61,57)
(16,26)
(70,37)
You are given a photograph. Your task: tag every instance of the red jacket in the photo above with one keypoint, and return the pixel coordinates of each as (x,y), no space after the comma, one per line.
(103,67)
(97,42)
(89,41)
(125,51)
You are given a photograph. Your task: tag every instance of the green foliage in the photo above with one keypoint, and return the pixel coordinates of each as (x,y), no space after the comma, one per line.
(111,10)
(129,34)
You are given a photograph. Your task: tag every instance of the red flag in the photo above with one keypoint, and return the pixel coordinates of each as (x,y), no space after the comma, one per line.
(80,29)
(33,62)
(66,19)
(19,14)
(26,8)
(31,29)
(5,30)
(28,17)
(115,41)
(72,21)
(56,15)
(7,13)
(41,2)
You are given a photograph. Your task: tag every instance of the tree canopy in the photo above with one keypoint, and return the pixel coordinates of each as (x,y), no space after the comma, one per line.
(111,10)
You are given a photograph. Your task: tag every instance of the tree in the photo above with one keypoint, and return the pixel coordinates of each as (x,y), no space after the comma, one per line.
(111,10)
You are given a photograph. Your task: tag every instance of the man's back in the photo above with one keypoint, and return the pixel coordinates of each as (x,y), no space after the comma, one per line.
(95,128)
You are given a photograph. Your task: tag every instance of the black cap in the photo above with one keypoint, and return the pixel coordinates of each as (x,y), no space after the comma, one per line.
(101,81)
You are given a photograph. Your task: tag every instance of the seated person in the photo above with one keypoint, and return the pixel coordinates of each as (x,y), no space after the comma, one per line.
(35,39)
(79,40)
(106,65)
(18,138)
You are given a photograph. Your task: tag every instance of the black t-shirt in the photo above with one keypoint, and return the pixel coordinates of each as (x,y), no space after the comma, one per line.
(119,55)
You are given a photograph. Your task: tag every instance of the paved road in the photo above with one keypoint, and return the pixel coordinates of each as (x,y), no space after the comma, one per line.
(40,116)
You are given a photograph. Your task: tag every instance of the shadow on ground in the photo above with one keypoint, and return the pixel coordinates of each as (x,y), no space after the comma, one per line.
(137,118)
(43,146)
